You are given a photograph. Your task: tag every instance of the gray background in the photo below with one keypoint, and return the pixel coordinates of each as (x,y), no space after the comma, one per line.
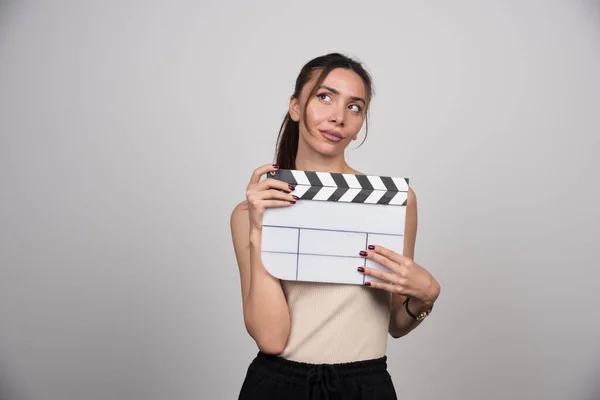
(128,132)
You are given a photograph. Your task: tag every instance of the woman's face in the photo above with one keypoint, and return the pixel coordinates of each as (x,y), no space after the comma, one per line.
(334,115)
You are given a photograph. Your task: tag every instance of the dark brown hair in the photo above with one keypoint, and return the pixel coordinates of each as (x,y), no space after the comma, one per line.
(289,132)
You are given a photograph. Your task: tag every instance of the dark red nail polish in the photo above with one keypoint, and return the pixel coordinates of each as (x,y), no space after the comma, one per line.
(360,269)
(367,283)
(371,247)
(293,202)
(296,197)
(291,188)
(363,253)
(276,166)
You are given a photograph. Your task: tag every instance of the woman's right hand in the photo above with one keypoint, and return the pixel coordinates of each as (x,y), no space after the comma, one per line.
(264,194)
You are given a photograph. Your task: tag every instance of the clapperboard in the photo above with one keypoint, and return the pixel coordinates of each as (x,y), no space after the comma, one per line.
(319,238)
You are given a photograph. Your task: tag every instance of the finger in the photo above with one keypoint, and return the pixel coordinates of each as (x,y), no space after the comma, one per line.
(392,255)
(271,198)
(273,194)
(384,276)
(277,203)
(378,258)
(260,171)
(270,183)
(396,289)
(256,196)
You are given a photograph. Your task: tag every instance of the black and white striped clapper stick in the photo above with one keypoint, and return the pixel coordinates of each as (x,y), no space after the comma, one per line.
(349,188)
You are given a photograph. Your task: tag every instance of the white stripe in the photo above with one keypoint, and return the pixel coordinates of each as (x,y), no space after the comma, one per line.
(324,193)
(300,190)
(400,184)
(399,198)
(326,179)
(349,195)
(300,177)
(376,182)
(352,181)
(375,196)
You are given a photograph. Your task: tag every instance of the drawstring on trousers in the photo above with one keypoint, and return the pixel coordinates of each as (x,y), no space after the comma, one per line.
(325,380)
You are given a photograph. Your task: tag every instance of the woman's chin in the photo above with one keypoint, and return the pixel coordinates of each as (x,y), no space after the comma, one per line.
(327,148)
(330,149)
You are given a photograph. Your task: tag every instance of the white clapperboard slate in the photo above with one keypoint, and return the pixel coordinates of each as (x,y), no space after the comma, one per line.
(319,238)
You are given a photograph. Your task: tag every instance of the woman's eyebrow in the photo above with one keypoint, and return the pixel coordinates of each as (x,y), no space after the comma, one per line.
(355,98)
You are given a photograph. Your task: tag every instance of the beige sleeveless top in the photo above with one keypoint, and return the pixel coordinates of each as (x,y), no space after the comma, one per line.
(336,323)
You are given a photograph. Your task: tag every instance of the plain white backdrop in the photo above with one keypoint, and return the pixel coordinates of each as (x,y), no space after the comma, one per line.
(129,130)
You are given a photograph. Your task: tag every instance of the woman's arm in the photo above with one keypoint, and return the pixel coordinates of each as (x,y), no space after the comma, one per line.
(400,322)
(266,314)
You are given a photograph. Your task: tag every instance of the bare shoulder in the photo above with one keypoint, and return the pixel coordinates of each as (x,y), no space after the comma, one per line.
(411,201)
(355,172)
(239,218)
(240,209)
(411,222)
(411,208)
(240,228)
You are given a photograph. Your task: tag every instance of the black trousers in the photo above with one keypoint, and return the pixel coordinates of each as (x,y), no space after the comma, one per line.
(272,378)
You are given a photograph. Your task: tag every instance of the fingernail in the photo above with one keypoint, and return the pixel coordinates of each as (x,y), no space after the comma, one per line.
(367,283)
(291,188)
(360,269)
(293,202)
(276,166)
(371,247)
(363,253)
(295,197)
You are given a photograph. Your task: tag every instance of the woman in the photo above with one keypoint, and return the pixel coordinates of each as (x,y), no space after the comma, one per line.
(319,340)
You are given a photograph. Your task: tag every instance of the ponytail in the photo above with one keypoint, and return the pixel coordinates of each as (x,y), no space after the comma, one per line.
(287,143)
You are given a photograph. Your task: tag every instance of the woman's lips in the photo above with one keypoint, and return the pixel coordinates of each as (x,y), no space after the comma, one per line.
(330,135)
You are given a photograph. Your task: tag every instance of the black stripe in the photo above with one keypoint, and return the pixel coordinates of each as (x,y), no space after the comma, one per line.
(387,197)
(310,193)
(337,194)
(339,180)
(389,183)
(313,178)
(286,176)
(362,196)
(364,182)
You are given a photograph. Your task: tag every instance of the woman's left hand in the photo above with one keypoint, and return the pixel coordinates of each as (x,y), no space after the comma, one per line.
(406,277)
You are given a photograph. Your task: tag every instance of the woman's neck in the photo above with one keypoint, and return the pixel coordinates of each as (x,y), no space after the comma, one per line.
(309,160)
(318,162)
(333,165)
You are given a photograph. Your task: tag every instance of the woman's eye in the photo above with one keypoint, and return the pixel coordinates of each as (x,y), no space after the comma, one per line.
(323,96)
(356,108)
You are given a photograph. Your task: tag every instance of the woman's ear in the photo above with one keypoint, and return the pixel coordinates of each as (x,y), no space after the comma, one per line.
(294,109)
